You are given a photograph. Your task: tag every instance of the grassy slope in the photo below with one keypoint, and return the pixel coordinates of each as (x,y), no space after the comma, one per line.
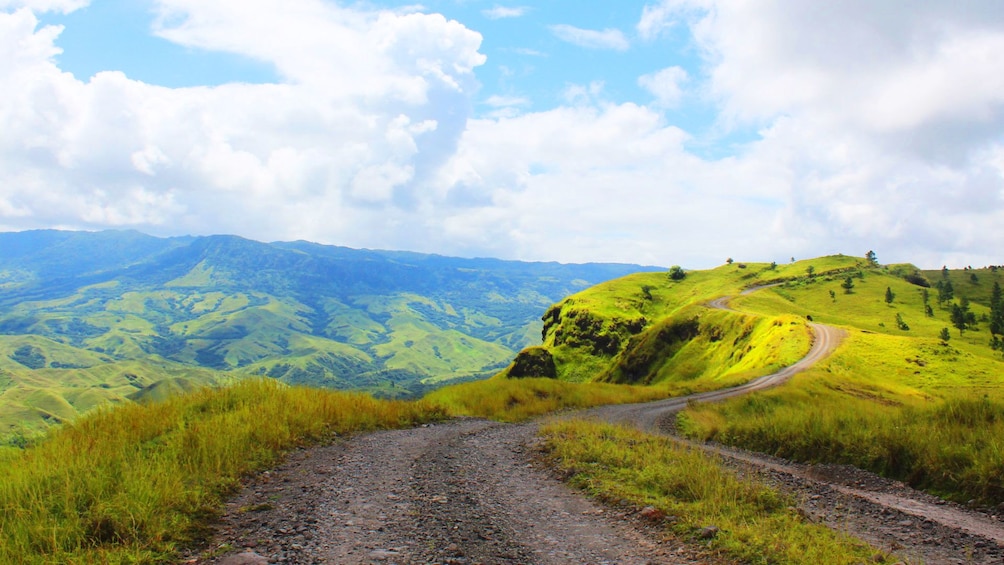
(649,329)
(134,483)
(900,402)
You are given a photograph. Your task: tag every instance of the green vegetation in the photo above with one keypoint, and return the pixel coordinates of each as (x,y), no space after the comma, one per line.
(508,400)
(94,318)
(656,329)
(902,399)
(134,483)
(693,491)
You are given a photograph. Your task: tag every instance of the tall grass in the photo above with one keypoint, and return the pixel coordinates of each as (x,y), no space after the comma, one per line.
(952,447)
(131,484)
(757,523)
(517,400)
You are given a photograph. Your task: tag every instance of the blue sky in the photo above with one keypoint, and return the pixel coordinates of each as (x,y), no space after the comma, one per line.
(656,131)
(527,61)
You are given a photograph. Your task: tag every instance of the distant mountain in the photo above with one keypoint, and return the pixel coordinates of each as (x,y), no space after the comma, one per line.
(87,318)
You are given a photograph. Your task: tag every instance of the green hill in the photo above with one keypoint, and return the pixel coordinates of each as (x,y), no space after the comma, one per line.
(654,329)
(87,318)
(910,393)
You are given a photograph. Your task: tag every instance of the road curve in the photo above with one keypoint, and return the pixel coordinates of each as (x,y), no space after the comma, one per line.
(649,415)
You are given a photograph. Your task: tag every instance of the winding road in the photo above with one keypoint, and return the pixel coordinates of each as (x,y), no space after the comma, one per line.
(472,491)
(648,416)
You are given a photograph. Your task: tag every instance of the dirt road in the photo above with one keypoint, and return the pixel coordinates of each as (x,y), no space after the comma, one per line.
(471,491)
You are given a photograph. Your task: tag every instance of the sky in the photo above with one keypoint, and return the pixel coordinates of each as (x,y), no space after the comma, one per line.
(659,132)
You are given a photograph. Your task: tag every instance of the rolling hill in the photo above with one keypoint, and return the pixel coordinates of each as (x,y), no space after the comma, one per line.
(913,392)
(88,318)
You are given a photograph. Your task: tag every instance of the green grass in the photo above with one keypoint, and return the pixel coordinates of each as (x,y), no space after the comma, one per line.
(898,402)
(757,523)
(134,483)
(510,400)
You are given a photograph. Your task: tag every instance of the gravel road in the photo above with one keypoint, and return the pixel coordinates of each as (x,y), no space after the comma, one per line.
(471,491)
(463,492)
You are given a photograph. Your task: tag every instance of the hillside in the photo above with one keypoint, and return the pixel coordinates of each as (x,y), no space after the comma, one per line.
(656,329)
(88,318)
(915,392)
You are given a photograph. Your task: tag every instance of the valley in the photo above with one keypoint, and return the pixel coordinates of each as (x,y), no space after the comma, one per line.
(88,319)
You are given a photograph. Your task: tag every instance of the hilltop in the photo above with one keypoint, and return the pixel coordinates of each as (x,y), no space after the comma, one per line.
(90,318)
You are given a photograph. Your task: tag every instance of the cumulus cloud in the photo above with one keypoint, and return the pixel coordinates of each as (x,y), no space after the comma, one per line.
(859,128)
(371,104)
(883,120)
(612,39)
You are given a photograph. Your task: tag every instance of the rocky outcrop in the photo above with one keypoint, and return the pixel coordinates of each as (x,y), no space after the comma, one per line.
(533,362)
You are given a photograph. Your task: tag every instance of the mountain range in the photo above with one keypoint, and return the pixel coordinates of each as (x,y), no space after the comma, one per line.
(93,317)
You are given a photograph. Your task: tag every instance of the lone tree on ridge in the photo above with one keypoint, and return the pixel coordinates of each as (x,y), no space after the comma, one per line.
(872,258)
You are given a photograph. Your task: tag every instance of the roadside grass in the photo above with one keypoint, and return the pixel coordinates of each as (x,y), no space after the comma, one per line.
(133,483)
(517,400)
(693,490)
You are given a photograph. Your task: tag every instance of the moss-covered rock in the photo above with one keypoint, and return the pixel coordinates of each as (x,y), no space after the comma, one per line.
(533,362)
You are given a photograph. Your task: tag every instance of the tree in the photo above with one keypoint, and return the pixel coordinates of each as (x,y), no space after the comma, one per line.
(900,323)
(970,316)
(889,296)
(945,291)
(848,285)
(773,265)
(646,291)
(872,258)
(833,295)
(959,318)
(945,336)
(677,273)
(974,279)
(925,295)
(810,270)
(996,310)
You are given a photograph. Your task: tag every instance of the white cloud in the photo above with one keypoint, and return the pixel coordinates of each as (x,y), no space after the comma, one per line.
(880,120)
(612,39)
(501,12)
(656,18)
(40,6)
(372,104)
(665,85)
(506,101)
(862,128)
